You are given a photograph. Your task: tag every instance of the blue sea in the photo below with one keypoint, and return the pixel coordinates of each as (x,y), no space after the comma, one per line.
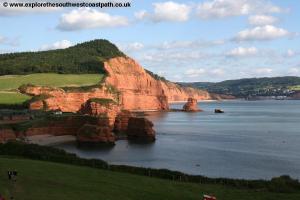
(252,140)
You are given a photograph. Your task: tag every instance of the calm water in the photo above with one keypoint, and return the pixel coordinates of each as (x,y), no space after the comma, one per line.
(252,139)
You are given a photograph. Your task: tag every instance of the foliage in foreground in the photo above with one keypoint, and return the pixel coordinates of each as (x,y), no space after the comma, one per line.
(280,184)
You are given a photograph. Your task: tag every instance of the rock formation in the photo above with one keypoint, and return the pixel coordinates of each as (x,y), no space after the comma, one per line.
(126,82)
(191,105)
(121,122)
(101,107)
(140,129)
(94,134)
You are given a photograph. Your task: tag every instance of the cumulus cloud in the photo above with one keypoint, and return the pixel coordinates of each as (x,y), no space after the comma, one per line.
(263,71)
(201,72)
(195,72)
(86,18)
(290,53)
(56,45)
(135,46)
(9,41)
(294,71)
(189,44)
(267,32)
(225,8)
(166,11)
(242,52)
(142,14)
(260,20)
(173,56)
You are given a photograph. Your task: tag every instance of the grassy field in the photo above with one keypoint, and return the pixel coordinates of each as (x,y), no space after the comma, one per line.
(12,82)
(12,98)
(39,180)
(296,87)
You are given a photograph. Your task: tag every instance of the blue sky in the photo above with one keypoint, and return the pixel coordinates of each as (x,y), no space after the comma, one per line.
(200,40)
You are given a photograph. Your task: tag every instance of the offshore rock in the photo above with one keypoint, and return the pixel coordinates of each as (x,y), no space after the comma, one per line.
(191,105)
(140,129)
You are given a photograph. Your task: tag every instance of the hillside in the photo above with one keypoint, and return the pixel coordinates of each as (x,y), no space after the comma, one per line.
(276,86)
(48,74)
(39,180)
(48,173)
(87,57)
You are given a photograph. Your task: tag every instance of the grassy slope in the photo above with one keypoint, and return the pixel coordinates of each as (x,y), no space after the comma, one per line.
(49,79)
(39,180)
(12,82)
(13,98)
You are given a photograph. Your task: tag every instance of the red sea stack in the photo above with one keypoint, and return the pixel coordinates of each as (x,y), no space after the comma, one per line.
(140,129)
(191,105)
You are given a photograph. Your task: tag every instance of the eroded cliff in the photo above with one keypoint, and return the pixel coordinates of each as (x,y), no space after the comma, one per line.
(127,83)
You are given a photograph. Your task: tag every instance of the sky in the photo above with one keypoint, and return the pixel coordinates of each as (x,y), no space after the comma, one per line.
(197,40)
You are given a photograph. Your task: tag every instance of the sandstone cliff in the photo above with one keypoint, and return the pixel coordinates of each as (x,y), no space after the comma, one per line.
(127,83)
(140,91)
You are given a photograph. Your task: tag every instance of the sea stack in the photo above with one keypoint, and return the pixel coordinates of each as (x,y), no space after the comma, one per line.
(191,105)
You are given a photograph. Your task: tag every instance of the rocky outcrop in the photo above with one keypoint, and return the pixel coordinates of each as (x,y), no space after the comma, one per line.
(58,126)
(191,105)
(66,101)
(101,107)
(94,134)
(140,129)
(121,122)
(139,90)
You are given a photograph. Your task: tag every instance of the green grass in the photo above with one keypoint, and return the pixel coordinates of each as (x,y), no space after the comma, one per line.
(11,82)
(295,87)
(9,98)
(40,180)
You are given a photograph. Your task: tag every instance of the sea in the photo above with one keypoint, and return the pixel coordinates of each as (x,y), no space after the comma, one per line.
(250,140)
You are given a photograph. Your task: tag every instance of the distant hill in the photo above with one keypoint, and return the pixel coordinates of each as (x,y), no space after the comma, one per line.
(87,57)
(276,86)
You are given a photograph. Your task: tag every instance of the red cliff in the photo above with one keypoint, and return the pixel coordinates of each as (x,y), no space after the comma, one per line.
(127,83)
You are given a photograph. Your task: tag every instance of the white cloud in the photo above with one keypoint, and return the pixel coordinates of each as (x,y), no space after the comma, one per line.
(217,72)
(173,56)
(86,18)
(226,8)
(242,52)
(267,32)
(56,45)
(260,20)
(290,53)
(9,41)
(189,44)
(166,11)
(294,71)
(142,14)
(135,46)
(263,71)
(195,72)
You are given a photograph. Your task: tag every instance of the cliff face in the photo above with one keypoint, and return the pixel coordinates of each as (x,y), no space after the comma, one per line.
(140,91)
(127,83)
(58,99)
